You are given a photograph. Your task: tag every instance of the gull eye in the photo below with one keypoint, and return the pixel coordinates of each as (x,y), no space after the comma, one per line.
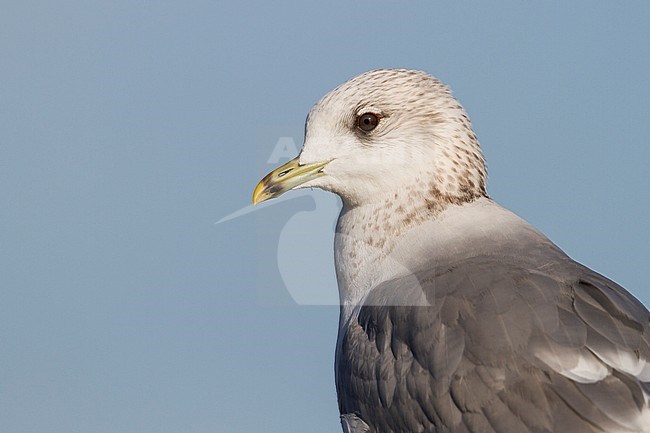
(367,122)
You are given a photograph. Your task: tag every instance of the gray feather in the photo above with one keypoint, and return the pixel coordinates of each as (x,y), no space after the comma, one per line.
(468,361)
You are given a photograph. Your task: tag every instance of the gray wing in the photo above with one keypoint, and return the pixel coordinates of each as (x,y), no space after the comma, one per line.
(498,349)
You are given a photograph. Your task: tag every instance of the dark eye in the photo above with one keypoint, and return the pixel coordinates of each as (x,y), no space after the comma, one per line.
(367,122)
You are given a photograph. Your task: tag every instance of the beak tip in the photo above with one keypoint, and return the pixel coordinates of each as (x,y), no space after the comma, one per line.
(258,193)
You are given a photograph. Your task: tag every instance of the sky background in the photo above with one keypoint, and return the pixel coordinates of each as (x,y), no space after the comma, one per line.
(128,129)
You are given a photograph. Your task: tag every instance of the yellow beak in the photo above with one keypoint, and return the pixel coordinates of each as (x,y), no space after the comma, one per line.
(286,177)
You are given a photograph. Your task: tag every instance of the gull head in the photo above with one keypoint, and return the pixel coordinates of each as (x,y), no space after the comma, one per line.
(383,134)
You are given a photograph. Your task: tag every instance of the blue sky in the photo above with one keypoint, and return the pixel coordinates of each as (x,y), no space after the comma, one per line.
(127,129)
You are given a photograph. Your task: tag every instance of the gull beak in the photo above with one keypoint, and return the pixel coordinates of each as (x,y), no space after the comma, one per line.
(282,179)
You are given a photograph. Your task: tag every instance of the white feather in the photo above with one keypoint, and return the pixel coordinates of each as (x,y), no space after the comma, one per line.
(581,366)
(625,361)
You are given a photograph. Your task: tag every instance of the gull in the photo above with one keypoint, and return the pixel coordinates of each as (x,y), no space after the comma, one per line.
(456,315)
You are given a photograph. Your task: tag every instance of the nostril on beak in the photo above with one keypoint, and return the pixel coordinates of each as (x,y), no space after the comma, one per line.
(282,173)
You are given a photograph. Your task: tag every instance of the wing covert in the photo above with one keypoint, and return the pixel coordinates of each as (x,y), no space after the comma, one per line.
(498,348)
